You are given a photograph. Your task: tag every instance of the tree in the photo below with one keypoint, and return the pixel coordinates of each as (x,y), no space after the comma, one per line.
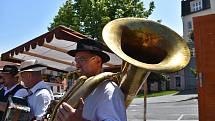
(90,16)
(193,71)
(66,16)
(159,78)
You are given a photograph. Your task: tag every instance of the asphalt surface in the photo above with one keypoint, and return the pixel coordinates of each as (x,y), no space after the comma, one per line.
(175,107)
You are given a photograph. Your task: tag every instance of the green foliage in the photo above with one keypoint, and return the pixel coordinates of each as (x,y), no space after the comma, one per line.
(90,16)
(157,77)
(160,93)
(66,16)
(193,71)
(191,35)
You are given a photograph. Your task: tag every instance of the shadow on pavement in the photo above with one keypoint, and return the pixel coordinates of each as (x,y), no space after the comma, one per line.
(187,92)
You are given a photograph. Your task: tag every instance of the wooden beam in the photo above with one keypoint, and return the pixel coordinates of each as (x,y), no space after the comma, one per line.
(55,48)
(49,58)
(72,33)
(65,51)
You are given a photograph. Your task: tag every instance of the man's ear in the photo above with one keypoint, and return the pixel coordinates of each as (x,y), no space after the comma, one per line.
(98,59)
(28,75)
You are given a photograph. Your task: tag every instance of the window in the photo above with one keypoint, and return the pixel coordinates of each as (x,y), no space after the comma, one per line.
(196,5)
(189,25)
(178,81)
(189,41)
(192,51)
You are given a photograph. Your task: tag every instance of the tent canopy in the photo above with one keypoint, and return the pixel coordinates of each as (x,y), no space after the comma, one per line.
(51,49)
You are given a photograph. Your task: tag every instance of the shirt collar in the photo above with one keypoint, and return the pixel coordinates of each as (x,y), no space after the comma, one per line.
(8,90)
(39,85)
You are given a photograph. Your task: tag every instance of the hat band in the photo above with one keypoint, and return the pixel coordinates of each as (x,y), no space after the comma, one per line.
(31,67)
(91,47)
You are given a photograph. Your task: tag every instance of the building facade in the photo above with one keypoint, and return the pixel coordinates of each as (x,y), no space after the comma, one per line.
(190,9)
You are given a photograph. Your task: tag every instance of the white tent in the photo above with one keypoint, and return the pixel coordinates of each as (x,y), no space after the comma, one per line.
(51,49)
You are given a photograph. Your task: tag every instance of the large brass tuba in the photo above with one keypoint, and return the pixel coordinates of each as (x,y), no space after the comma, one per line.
(147,46)
(144,46)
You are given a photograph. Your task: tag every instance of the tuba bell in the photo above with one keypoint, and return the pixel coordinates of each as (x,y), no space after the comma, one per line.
(144,46)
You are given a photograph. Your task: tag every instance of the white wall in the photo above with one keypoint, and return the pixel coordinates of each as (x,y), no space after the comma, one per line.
(54,87)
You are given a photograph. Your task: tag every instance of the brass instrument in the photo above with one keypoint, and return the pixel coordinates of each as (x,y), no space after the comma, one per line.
(82,89)
(144,46)
(147,46)
(17,110)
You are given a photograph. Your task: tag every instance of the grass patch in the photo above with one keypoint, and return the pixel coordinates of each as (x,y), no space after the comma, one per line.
(155,94)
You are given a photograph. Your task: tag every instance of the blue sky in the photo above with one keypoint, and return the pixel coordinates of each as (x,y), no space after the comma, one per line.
(23,20)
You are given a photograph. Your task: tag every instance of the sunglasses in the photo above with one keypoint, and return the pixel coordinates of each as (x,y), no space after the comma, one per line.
(82,59)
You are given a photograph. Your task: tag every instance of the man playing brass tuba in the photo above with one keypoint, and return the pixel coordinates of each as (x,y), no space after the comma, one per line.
(106,102)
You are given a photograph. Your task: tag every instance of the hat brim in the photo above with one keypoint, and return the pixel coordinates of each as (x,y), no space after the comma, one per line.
(34,69)
(105,57)
(5,72)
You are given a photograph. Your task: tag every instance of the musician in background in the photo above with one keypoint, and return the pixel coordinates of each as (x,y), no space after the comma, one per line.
(106,102)
(40,94)
(11,86)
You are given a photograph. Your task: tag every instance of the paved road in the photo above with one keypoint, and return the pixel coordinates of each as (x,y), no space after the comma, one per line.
(171,107)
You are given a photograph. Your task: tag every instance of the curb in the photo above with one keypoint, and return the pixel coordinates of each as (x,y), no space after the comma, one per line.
(173,101)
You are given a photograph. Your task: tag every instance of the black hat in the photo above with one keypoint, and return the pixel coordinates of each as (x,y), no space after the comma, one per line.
(93,46)
(11,69)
